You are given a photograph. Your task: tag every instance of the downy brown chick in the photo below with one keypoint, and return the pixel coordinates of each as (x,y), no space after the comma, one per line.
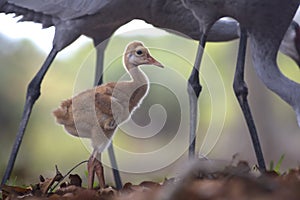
(95,113)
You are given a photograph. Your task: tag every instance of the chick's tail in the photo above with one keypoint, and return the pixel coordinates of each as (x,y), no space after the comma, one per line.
(63,114)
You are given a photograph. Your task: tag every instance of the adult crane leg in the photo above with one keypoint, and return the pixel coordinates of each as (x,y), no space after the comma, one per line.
(241,92)
(194,88)
(100,48)
(33,93)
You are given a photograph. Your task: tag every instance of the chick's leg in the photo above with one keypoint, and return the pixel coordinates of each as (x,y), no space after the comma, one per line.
(99,171)
(91,172)
(95,165)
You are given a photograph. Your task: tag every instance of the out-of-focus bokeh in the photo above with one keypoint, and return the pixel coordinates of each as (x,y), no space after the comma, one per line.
(46,144)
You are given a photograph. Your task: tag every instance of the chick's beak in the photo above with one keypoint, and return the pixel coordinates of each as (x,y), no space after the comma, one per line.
(152,61)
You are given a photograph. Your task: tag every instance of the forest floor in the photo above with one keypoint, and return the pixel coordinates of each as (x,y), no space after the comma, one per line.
(237,182)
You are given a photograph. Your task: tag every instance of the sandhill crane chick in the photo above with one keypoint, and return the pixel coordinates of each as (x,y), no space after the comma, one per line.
(95,113)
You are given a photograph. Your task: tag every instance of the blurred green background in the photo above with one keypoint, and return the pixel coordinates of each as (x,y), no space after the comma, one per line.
(46,144)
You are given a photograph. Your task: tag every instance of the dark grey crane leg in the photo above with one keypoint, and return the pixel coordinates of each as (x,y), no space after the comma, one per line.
(98,81)
(114,165)
(100,49)
(194,88)
(241,92)
(33,93)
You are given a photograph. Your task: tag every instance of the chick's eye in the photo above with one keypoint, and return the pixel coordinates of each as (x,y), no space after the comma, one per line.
(139,52)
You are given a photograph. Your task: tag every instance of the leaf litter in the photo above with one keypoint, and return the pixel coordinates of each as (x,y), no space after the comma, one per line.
(201,182)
